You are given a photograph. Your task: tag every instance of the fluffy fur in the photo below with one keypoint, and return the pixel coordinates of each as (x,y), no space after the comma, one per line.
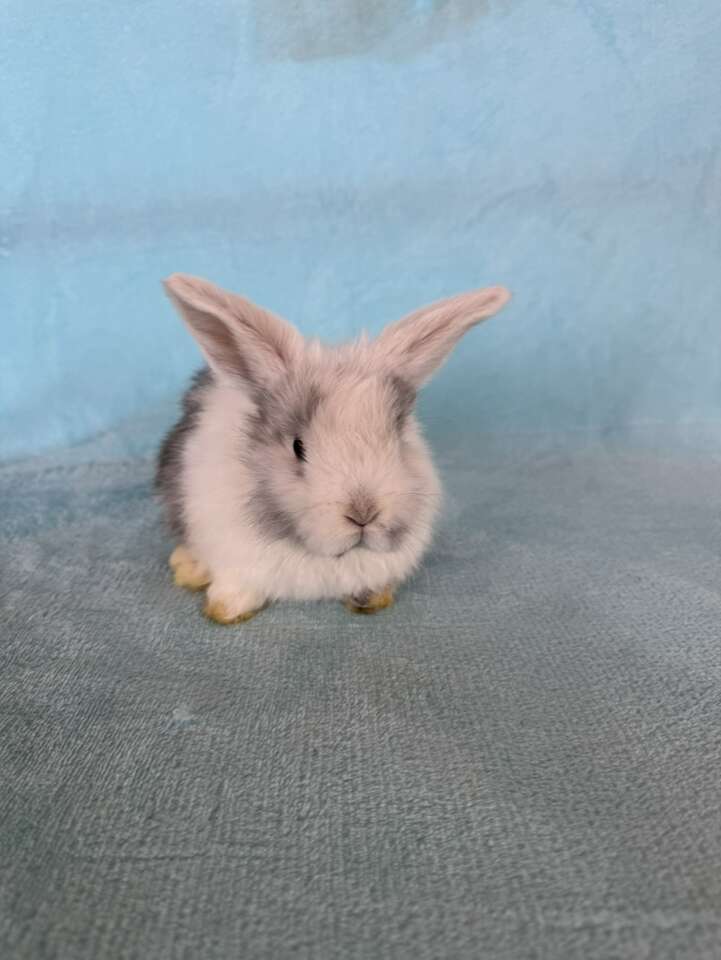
(298,470)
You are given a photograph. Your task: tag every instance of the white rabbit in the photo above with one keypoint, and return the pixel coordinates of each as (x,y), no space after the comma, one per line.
(298,470)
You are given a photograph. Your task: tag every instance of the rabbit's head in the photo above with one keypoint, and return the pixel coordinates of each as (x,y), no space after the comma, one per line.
(332,446)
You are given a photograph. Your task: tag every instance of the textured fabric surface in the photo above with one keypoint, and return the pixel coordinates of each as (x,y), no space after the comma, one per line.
(520,760)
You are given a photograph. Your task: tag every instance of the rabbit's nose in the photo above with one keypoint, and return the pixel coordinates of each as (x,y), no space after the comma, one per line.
(362,523)
(361,511)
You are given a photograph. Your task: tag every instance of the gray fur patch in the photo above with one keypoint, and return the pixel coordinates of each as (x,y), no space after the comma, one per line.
(305,407)
(170,456)
(271,519)
(397,534)
(281,417)
(278,418)
(362,599)
(260,422)
(404,397)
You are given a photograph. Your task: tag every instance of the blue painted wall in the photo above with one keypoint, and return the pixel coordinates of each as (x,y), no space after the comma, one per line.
(344,166)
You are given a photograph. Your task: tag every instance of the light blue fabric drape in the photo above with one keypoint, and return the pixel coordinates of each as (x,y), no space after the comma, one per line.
(345,162)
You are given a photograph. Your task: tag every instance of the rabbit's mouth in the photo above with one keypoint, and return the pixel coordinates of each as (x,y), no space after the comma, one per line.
(384,540)
(386,535)
(358,545)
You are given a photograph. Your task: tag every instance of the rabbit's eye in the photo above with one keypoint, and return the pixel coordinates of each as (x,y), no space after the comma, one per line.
(299,449)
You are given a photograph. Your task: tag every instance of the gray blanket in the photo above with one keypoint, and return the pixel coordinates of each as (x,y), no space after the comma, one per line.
(521,759)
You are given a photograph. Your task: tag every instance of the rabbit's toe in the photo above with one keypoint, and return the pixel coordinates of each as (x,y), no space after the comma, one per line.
(370,602)
(187,572)
(232,607)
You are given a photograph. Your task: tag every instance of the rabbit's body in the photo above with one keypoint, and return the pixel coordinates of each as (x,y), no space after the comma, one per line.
(220,529)
(298,471)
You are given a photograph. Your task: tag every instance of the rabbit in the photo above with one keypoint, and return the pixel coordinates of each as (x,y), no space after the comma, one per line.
(298,470)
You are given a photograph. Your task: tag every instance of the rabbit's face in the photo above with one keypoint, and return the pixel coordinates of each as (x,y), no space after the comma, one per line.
(339,464)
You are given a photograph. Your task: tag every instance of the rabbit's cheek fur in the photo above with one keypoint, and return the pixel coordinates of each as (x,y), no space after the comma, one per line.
(388,538)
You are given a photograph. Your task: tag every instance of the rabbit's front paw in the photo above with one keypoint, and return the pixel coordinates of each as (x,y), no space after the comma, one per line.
(187,572)
(232,606)
(369,602)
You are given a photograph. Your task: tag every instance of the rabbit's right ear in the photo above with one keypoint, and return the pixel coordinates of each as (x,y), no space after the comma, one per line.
(240,340)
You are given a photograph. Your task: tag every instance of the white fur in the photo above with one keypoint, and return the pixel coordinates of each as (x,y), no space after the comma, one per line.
(216,483)
(352,439)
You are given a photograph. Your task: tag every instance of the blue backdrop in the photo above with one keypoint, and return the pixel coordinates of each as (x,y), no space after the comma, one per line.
(345,165)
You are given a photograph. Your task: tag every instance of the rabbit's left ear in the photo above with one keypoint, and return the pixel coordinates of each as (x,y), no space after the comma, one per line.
(417,345)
